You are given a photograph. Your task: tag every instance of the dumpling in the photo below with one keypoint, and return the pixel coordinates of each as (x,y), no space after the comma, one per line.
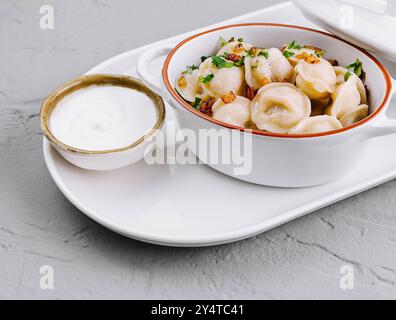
(281,69)
(316,77)
(341,72)
(317,124)
(235,47)
(258,70)
(188,86)
(219,81)
(346,98)
(265,66)
(278,107)
(360,113)
(232,109)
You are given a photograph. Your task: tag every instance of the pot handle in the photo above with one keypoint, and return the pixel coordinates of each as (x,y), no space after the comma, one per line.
(143,63)
(384,126)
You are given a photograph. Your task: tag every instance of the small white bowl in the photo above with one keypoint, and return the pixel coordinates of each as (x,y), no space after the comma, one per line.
(101,159)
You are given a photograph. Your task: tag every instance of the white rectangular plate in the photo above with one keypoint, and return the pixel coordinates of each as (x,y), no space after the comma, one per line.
(195,205)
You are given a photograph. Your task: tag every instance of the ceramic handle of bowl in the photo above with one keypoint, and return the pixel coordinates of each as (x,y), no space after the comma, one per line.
(143,65)
(386,125)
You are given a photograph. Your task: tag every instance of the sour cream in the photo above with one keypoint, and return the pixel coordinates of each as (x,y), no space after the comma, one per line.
(101,118)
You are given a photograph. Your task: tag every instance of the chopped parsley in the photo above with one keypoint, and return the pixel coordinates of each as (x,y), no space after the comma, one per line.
(288,54)
(203,58)
(264,53)
(357,67)
(220,63)
(190,69)
(240,62)
(196,103)
(354,68)
(252,52)
(347,75)
(223,42)
(294,45)
(249,53)
(320,54)
(207,78)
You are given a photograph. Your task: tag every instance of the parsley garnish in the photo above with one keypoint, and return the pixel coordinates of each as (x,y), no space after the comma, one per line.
(190,69)
(220,63)
(288,54)
(347,75)
(320,54)
(354,68)
(357,67)
(196,103)
(294,45)
(203,58)
(207,78)
(240,62)
(264,53)
(240,39)
(253,51)
(223,42)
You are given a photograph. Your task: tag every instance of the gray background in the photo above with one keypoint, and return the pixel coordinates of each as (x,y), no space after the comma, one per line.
(38,226)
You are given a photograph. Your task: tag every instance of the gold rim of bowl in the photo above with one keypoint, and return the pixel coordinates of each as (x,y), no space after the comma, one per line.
(52,100)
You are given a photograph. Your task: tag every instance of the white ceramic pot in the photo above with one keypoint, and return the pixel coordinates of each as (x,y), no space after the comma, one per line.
(279,159)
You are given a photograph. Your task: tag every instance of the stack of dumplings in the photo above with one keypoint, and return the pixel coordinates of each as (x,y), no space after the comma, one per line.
(292,90)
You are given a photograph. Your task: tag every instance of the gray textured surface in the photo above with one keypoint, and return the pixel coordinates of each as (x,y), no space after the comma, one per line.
(38,226)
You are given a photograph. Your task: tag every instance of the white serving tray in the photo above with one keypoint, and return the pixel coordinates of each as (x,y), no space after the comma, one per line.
(195,205)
